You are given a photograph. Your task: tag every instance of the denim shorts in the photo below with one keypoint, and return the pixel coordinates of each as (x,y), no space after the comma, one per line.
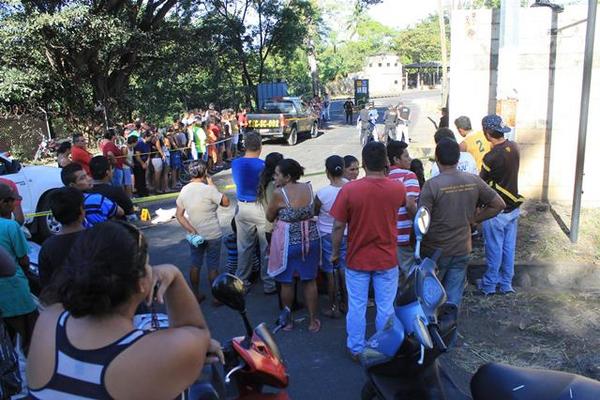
(327,247)
(127,181)
(212,249)
(117,178)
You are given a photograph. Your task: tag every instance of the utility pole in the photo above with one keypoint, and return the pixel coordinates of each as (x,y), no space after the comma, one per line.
(588,59)
(444,53)
(508,54)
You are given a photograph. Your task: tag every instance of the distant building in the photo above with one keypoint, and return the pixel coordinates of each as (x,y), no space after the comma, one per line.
(384,73)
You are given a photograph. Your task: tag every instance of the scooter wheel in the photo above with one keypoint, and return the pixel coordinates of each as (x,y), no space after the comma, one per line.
(368,392)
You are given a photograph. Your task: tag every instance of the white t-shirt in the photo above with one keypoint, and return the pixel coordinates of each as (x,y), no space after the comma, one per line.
(327,196)
(466,163)
(200,202)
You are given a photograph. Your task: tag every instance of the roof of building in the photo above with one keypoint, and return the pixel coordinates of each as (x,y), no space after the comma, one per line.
(428,64)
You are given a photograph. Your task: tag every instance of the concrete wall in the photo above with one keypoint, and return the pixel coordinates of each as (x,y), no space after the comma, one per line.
(548,85)
(384,73)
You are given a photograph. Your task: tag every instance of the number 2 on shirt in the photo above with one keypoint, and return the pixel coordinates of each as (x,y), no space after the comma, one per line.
(480,144)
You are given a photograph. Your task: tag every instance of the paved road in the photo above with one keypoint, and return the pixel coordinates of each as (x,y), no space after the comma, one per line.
(319,367)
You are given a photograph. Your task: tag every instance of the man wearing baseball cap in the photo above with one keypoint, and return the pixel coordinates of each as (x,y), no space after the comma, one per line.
(500,170)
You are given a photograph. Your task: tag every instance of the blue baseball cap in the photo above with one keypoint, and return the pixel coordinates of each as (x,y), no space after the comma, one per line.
(494,123)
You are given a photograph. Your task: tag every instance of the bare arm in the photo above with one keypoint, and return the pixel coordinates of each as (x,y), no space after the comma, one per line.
(274,206)
(411,205)
(183,221)
(138,157)
(182,306)
(19,216)
(491,210)
(24,264)
(318,205)
(119,212)
(111,158)
(337,234)
(463,146)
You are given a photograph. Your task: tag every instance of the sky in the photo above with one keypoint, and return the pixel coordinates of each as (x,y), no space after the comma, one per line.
(402,13)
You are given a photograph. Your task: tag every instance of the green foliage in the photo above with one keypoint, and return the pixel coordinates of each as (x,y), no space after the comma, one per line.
(421,43)
(337,60)
(151,58)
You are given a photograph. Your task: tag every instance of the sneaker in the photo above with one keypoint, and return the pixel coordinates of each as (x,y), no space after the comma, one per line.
(354,356)
(480,291)
(507,291)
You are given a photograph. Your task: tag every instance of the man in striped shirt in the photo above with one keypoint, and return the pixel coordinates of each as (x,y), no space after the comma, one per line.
(400,171)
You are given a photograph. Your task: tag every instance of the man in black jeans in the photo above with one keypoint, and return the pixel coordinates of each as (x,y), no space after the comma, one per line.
(348,108)
(140,162)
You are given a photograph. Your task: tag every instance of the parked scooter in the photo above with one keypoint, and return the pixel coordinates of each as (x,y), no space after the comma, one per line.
(400,360)
(252,361)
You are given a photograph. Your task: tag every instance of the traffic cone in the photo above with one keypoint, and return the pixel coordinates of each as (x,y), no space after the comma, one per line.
(145,215)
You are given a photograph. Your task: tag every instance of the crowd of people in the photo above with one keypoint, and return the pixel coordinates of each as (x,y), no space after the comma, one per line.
(357,232)
(147,160)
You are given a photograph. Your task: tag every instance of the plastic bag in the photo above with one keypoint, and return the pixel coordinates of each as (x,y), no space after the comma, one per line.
(10,377)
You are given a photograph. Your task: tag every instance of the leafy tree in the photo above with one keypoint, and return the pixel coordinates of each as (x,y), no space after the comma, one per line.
(255,30)
(420,43)
(77,54)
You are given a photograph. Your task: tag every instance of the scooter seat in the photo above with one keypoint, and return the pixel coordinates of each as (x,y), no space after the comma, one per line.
(499,381)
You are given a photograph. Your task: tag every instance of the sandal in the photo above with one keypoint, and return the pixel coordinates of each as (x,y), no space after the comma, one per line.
(289,327)
(332,312)
(317,328)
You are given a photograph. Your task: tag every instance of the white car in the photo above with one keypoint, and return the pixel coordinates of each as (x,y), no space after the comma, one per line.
(34,184)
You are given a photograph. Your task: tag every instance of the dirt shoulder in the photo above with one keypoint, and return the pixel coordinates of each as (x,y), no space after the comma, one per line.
(553,319)
(540,329)
(541,240)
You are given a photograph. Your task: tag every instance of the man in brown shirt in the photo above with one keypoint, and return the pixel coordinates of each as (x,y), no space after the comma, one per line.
(452,197)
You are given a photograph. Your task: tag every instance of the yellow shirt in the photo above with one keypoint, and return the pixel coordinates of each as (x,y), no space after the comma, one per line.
(478,146)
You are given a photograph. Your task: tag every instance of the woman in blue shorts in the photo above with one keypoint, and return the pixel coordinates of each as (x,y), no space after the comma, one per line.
(295,243)
(324,200)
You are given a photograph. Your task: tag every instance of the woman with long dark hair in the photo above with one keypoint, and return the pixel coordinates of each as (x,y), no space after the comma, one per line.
(266,185)
(295,244)
(85,344)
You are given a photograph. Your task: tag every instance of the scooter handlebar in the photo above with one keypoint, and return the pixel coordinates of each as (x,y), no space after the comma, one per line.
(436,255)
(437,338)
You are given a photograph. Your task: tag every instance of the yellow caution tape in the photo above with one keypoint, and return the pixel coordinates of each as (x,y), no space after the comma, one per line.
(137,200)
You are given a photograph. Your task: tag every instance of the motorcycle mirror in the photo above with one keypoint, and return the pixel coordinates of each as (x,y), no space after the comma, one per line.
(422,221)
(229,290)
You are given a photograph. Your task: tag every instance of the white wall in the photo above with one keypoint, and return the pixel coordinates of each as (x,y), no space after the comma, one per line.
(472,81)
(384,80)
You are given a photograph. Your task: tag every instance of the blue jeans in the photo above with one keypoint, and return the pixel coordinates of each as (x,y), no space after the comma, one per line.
(118,178)
(385,285)
(327,248)
(500,234)
(452,271)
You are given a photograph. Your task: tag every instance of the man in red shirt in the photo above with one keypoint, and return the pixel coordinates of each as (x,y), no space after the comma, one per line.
(79,153)
(370,208)
(115,157)
(400,172)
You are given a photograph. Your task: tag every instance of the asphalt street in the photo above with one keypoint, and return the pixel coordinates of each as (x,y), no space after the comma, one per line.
(319,366)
